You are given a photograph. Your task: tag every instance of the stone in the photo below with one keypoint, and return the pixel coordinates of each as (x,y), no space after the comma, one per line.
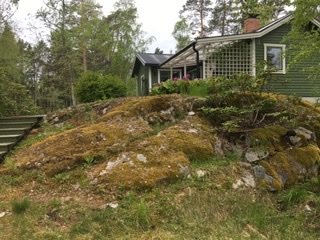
(237,184)
(259,172)
(307,134)
(245,164)
(142,158)
(191,113)
(2,214)
(113,205)
(123,158)
(247,180)
(307,208)
(255,155)
(295,140)
(201,174)
(192,130)
(184,170)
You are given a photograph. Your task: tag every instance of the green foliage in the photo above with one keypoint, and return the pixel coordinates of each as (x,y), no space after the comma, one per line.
(181,33)
(142,215)
(15,99)
(196,13)
(131,85)
(92,87)
(193,88)
(293,196)
(20,207)
(62,177)
(240,83)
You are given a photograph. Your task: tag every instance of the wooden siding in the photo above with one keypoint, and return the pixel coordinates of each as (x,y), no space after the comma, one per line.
(296,81)
(142,86)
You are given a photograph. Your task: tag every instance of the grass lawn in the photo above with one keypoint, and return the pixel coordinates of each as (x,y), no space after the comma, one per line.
(194,208)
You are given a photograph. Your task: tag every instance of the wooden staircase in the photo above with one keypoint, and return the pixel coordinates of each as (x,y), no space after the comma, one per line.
(14,129)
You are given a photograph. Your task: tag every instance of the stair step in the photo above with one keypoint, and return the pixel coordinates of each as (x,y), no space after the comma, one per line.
(4,147)
(16,125)
(22,119)
(13,131)
(9,138)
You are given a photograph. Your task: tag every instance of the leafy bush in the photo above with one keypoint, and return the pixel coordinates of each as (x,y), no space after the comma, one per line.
(93,86)
(192,88)
(240,83)
(214,86)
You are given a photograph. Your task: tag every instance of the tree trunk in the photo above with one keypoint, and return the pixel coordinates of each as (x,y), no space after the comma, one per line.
(223,26)
(201,19)
(84,59)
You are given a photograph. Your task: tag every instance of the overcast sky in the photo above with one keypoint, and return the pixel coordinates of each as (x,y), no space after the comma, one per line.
(157,17)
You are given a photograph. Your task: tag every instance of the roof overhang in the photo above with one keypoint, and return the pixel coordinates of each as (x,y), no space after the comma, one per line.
(187,56)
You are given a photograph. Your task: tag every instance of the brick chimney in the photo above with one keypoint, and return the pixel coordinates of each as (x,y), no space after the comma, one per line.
(251,24)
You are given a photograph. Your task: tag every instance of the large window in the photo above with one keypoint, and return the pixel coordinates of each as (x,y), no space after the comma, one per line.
(164,74)
(274,57)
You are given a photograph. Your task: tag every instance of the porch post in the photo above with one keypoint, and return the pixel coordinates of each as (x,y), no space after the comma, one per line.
(150,79)
(204,72)
(159,80)
(171,73)
(185,71)
(253,58)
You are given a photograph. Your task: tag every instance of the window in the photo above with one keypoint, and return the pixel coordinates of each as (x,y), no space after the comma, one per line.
(165,74)
(274,57)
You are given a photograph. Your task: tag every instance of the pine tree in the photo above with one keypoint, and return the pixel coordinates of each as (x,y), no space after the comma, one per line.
(196,13)
(224,17)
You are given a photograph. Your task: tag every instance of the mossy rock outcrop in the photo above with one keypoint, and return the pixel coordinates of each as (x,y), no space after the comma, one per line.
(284,164)
(145,141)
(140,142)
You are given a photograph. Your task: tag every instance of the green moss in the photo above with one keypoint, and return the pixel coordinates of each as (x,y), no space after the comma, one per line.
(308,156)
(288,165)
(269,138)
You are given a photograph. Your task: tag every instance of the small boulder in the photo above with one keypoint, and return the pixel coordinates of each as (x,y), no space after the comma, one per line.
(253,155)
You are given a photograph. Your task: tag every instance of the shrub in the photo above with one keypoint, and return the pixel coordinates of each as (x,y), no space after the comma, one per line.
(192,88)
(238,83)
(215,86)
(93,86)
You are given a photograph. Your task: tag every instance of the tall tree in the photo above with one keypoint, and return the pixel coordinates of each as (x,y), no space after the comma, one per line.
(58,16)
(224,17)
(304,39)
(267,10)
(127,37)
(7,10)
(181,33)
(158,51)
(196,13)
(13,94)
(10,55)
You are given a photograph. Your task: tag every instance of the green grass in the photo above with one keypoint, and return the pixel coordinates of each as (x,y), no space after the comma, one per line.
(20,206)
(191,208)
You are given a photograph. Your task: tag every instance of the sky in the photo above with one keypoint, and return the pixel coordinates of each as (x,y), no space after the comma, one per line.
(156,16)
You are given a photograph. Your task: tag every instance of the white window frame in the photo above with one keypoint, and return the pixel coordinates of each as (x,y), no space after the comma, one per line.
(283,46)
(169,70)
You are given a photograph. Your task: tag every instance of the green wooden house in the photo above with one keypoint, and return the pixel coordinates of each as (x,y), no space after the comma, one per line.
(147,71)
(248,53)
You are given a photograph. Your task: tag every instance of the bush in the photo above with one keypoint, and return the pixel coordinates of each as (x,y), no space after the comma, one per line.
(93,86)
(192,88)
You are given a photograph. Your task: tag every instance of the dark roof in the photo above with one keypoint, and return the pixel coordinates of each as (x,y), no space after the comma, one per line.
(152,58)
